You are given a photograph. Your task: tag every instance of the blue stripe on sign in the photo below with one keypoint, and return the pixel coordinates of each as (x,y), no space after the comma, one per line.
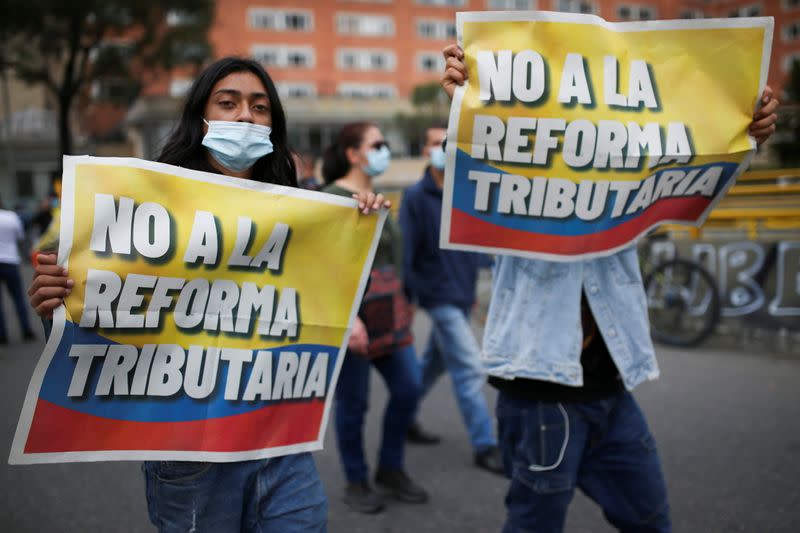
(178,407)
(464,200)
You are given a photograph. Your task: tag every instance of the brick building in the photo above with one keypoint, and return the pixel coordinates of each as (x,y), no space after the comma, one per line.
(384,48)
(341,60)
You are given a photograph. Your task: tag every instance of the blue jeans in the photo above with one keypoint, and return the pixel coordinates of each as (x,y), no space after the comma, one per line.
(400,371)
(603,447)
(452,347)
(277,495)
(9,275)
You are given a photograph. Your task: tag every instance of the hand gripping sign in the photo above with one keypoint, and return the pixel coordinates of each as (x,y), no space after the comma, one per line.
(207,322)
(573,136)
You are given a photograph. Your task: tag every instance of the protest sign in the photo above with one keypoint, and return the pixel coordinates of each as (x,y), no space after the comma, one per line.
(573,136)
(207,322)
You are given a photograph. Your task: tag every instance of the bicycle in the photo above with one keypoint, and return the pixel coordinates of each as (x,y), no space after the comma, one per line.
(682,299)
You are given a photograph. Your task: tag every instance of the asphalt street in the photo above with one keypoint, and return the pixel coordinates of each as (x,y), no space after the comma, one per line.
(727,425)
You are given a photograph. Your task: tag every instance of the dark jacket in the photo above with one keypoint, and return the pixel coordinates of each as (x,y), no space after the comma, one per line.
(433,276)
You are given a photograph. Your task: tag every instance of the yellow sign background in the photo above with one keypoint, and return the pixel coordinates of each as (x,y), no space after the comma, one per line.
(722,67)
(322,259)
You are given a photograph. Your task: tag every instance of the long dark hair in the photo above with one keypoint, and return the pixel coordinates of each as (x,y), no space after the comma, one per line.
(334,161)
(184,146)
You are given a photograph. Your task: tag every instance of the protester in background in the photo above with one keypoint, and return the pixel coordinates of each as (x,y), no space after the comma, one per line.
(12,235)
(24,217)
(48,238)
(443,283)
(305,163)
(381,337)
(43,217)
(232,124)
(566,418)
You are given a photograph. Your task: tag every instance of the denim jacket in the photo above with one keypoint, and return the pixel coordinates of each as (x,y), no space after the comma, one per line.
(533,329)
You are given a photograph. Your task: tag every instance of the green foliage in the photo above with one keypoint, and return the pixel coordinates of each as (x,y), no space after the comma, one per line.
(66,44)
(426,94)
(431,108)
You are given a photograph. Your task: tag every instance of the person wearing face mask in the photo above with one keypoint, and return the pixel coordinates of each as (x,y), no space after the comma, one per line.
(443,283)
(381,337)
(232,124)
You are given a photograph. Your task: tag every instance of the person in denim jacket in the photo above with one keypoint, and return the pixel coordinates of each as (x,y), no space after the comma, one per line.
(564,344)
(277,495)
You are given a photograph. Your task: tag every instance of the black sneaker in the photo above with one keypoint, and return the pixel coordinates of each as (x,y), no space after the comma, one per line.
(417,435)
(490,459)
(397,484)
(361,498)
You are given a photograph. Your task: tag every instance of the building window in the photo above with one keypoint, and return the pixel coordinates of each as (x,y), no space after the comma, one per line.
(360,59)
(510,5)
(366,90)
(179,87)
(117,91)
(299,58)
(24,183)
(296,90)
(790,4)
(262,18)
(430,62)
(180,17)
(635,12)
(576,6)
(789,61)
(364,25)
(746,11)
(436,29)
(111,52)
(282,56)
(691,14)
(442,3)
(791,31)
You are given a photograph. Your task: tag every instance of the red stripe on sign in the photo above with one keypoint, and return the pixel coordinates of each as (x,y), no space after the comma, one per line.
(468,229)
(58,429)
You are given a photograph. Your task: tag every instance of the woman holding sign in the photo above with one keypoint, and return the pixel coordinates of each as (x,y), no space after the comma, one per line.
(557,436)
(232,124)
(381,336)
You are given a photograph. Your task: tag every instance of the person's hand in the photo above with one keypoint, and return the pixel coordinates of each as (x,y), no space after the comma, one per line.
(455,70)
(369,202)
(359,340)
(50,286)
(764,118)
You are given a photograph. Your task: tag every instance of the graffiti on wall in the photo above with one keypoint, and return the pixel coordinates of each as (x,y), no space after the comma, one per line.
(753,277)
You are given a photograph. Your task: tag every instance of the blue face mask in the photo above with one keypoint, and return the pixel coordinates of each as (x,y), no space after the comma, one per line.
(237,145)
(438,158)
(377,161)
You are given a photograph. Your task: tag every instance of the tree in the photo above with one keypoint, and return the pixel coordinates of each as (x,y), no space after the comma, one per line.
(66,45)
(431,107)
